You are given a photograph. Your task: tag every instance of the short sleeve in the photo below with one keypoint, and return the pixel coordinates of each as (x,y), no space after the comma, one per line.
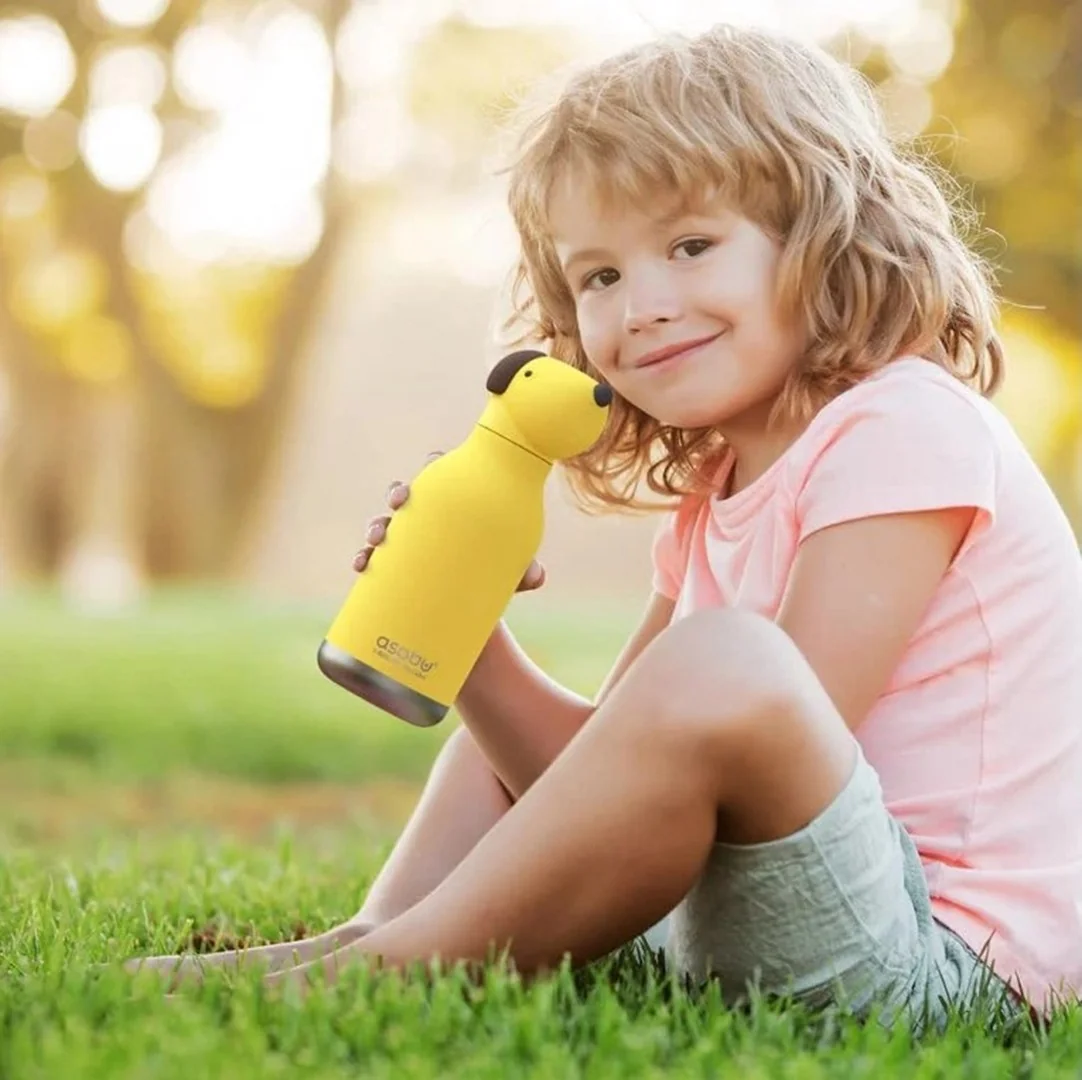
(668,554)
(905,445)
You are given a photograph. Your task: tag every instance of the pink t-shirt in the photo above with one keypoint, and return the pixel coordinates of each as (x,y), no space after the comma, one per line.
(977,739)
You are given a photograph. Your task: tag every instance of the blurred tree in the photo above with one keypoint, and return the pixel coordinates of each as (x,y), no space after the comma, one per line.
(131,441)
(464,79)
(148,392)
(1004,117)
(1013,93)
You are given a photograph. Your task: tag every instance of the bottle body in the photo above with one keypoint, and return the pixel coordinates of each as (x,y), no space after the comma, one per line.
(417,618)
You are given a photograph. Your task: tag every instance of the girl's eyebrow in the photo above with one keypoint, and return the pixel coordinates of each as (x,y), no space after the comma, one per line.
(587,254)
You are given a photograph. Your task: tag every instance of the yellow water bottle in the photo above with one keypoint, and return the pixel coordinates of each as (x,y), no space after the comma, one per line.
(416,620)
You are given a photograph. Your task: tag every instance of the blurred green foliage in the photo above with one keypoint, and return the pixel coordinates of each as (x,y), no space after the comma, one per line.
(223,684)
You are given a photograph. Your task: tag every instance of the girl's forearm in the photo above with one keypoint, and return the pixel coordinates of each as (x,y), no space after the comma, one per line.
(519,717)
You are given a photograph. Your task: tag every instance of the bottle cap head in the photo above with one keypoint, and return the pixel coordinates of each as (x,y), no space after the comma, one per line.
(545,405)
(499,378)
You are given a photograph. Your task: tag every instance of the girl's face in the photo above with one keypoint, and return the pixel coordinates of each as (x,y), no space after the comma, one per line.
(677,312)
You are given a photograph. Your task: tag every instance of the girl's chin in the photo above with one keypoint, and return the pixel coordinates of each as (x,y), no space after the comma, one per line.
(694,408)
(689,406)
(691,416)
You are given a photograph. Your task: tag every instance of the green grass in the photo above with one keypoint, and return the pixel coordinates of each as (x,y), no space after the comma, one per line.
(228,686)
(200,687)
(59,1016)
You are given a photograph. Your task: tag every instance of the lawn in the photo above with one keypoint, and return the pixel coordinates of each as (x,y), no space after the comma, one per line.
(188,771)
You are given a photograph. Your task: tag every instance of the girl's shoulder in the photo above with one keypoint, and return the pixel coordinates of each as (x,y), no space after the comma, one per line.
(910,405)
(905,386)
(910,437)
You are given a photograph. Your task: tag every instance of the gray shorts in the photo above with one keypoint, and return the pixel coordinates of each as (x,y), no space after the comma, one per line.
(836,914)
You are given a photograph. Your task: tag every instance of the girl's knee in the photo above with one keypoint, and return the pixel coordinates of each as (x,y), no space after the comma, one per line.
(462,758)
(729,663)
(461,751)
(736,683)
(740,702)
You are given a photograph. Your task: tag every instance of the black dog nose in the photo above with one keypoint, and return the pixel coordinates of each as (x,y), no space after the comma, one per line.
(602,394)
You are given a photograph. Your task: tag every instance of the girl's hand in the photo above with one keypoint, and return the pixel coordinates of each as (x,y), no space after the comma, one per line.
(397,494)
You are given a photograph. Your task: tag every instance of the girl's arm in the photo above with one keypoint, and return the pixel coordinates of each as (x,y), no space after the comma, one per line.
(856,595)
(858,592)
(519,717)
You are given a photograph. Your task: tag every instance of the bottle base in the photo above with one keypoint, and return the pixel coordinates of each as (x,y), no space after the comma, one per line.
(377,689)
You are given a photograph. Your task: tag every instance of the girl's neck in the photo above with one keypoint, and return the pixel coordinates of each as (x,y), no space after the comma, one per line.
(754,453)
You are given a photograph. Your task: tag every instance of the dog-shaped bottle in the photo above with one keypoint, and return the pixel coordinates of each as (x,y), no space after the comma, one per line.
(419,615)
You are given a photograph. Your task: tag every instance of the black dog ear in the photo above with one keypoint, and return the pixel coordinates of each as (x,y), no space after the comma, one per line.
(499,378)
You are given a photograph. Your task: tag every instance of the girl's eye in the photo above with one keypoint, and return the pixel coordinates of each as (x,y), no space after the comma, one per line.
(604,278)
(695,246)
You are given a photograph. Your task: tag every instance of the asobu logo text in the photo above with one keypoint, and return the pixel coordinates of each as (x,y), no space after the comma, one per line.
(401,654)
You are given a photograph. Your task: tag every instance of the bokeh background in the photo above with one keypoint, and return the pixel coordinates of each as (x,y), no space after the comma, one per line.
(252,263)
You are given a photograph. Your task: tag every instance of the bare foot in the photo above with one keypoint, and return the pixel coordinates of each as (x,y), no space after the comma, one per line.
(189,967)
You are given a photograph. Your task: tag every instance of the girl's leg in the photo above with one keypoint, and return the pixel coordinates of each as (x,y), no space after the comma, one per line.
(270,957)
(719,730)
(461,801)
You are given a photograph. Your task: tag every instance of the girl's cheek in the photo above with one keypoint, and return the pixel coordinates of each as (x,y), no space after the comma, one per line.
(598,351)
(589,327)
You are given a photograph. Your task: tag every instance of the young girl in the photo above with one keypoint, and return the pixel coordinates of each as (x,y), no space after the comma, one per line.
(844,747)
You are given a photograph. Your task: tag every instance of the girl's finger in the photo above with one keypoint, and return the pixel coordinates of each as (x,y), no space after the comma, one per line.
(377,529)
(534,577)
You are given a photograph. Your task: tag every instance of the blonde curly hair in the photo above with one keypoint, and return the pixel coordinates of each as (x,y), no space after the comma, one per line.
(873,258)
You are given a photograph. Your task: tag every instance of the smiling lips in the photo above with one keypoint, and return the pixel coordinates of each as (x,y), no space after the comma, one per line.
(679,349)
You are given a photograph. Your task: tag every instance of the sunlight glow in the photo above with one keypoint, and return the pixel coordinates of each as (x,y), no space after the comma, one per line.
(907,105)
(210,67)
(464,237)
(616,22)
(52,142)
(374,139)
(53,290)
(469,238)
(370,48)
(924,47)
(23,194)
(248,188)
(121,145)
(133,13)
(127,74)
(37,65)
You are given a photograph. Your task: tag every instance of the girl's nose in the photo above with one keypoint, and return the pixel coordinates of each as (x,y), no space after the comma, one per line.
(650,303)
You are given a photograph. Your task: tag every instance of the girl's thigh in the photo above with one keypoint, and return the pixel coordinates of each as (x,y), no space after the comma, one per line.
(836,913)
